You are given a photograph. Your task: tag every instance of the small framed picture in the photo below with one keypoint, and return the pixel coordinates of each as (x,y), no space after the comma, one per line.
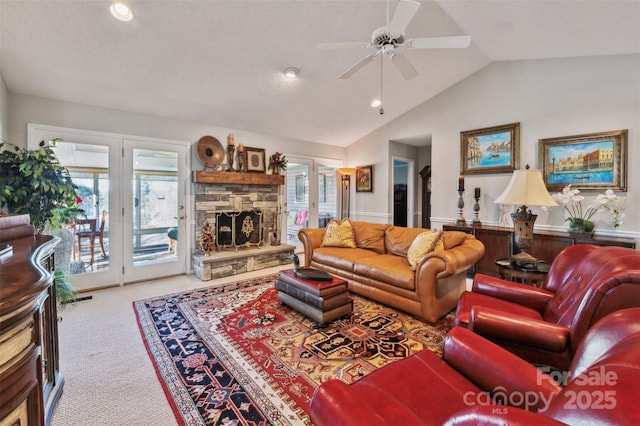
(593,161)
(490,150)
(364,179)
(255,159)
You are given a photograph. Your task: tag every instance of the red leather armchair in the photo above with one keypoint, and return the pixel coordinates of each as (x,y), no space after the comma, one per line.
(545,325)
(474,375)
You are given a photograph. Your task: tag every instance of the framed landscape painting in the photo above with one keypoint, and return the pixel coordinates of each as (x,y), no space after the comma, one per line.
(490,150)
(593,161)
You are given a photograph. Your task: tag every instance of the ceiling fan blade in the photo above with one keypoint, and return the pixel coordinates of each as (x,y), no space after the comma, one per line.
(453,42)
(404,66)
(344,45)
(403,15)
(355,67)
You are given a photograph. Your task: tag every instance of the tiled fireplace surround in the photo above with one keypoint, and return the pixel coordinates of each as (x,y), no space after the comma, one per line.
(215,197)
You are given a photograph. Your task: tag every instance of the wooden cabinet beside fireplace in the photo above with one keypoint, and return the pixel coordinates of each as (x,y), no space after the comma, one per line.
(30,379)
(498,242)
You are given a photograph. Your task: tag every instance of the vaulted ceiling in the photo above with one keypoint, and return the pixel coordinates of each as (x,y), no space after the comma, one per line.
(221,62)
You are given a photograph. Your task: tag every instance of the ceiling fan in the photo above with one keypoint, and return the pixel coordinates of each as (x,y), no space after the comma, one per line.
(387,40)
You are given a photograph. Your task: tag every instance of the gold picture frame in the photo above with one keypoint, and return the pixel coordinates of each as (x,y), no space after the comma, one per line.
(592,161)
(364,179)
(490,150)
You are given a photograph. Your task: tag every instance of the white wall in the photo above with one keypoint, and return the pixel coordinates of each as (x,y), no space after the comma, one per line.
(369,206)
(549,98)
(28,109)
(4,110)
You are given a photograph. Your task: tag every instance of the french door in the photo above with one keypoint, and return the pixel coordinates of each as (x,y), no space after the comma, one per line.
(133,195)
(155,210)
(311,195)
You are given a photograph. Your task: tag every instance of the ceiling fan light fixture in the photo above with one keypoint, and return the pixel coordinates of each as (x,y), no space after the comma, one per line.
(291,72)
(121,12)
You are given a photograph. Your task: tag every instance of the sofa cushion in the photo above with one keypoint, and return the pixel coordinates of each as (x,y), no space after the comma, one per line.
(398,239)
(453,239)
(424,243)
(341,258)
(339,235)
(387,268)
(370,235)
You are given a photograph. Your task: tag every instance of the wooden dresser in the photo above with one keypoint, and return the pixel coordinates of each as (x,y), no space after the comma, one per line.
(498,243)
(30,379)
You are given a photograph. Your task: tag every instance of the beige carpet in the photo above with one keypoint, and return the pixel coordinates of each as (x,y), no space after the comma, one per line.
(109,378)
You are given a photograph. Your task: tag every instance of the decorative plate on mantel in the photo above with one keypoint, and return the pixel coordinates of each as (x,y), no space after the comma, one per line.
(210,151)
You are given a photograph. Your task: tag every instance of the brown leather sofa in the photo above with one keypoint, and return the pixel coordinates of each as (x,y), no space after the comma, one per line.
(545,325)
(378,267)
(474,375)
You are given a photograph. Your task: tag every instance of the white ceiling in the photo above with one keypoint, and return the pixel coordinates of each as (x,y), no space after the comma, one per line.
(220,62)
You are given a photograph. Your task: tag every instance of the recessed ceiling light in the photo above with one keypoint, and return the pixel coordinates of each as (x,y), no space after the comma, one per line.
(121,11)
(376,103)
(291,72)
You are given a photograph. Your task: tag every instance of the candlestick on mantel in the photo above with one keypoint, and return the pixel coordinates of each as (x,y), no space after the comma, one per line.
(461,183)
(477,193)
(231,139)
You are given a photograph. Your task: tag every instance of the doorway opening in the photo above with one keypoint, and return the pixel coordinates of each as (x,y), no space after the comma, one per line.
(403,184)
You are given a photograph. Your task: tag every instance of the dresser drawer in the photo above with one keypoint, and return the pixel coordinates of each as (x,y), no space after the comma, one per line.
(16,342)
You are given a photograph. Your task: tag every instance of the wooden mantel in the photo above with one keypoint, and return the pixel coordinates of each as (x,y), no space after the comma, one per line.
(206,176)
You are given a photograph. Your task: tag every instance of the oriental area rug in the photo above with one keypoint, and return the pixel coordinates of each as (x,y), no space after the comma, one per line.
(235,355)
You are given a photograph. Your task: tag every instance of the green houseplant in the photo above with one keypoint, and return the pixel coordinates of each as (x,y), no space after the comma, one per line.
(33,182)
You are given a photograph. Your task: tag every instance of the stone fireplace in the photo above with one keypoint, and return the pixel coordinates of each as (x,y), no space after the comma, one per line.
(242,209)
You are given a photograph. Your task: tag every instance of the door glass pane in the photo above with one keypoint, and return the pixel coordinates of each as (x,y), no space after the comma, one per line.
(327,195)
(297,200)
(155,206)
(88,165)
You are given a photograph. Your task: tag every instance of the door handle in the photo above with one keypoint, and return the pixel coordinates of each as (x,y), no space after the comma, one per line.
(180,217)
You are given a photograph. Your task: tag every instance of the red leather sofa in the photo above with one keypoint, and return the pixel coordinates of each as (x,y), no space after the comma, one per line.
(545,325)
(601,386)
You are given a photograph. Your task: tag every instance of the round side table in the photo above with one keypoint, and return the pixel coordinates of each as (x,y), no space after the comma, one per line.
(533,276)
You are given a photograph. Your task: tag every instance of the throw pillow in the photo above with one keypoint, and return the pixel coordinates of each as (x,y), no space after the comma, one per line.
(426,242)
(339,235)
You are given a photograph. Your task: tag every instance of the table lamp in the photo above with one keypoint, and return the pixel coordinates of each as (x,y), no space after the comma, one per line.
(526,188)
(346,173)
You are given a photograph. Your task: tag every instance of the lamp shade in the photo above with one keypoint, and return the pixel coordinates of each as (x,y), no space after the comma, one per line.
(526,188)
(346,170)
